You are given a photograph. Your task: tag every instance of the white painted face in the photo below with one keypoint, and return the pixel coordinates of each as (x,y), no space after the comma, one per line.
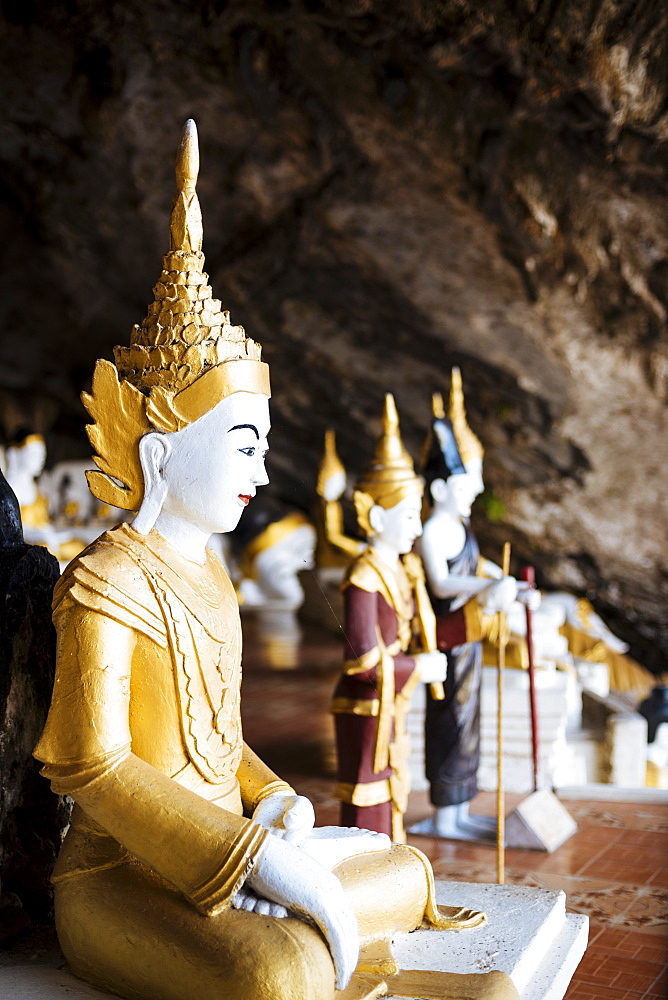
(335,485)
(214,466)
(277,567)
(398,526)
(465,487)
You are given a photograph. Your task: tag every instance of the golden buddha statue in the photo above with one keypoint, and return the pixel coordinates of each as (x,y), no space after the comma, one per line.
(190,869)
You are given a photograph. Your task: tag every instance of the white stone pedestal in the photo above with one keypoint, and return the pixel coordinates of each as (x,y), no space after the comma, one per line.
(529,936)
(555,693)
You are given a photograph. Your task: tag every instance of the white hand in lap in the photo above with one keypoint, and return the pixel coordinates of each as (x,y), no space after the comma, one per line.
(330,845)
(289,876)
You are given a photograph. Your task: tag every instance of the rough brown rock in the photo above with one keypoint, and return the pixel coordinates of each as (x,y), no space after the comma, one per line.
(32,819)
(387,188)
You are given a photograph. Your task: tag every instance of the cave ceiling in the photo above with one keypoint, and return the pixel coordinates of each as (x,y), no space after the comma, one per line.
(388,188)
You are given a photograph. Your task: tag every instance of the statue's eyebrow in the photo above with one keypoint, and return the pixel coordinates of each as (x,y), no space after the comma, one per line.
(240,427)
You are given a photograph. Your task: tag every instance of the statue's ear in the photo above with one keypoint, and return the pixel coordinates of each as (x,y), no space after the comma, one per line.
(154,449)
(439,490)
(377,519)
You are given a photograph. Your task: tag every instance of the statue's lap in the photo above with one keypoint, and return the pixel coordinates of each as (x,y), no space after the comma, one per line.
(125,929)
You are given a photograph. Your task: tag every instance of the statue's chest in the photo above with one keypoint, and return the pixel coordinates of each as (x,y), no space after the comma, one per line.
(205,646)
(465,562)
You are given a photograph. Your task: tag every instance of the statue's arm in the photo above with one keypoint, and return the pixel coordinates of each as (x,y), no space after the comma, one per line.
(334,533)
(443,583)
(257,781)
(203,850)
(487,568)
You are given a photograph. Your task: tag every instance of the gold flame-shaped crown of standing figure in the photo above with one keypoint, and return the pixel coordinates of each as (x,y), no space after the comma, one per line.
(183,359)
(391,475)
(330,464)
(468,444)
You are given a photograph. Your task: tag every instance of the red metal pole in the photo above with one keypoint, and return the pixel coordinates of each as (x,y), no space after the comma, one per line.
(529,576)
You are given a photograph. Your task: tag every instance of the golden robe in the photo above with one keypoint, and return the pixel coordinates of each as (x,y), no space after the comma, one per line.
(144,732)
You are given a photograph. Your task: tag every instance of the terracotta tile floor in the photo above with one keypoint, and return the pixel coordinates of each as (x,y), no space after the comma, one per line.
(614,868)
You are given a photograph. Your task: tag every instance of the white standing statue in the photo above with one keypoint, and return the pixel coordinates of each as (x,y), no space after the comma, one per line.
(460,597)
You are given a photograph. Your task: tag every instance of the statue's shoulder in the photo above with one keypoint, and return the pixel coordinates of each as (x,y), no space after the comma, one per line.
(112,576)
(114,559)
(364,573)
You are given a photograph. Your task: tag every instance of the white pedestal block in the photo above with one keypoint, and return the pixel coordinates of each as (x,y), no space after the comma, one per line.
(529,936)
(415,730)
(554,693)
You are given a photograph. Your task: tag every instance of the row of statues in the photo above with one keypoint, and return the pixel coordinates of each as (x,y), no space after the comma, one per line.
(384,620)
(57,509)
(393,606)
(273,544)
(190,868)
(263,555)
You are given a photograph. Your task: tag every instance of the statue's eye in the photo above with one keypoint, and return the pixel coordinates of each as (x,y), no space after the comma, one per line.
(250,451)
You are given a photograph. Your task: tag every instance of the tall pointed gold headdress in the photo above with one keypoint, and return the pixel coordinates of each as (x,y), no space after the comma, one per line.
(330,463)
(183,359)
(468,444)
(391,475)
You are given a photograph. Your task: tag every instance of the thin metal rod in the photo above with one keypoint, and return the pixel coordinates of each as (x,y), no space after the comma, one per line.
(500,798)
(529,576)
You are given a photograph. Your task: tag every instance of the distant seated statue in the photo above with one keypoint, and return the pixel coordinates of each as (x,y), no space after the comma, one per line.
(190,870)
(25,459)
(51,505)
(271,546)
(464,600)
(385,601)
(567,632)
(71,503)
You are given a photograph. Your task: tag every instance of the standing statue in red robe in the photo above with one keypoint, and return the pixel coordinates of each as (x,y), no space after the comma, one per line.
(386,613)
